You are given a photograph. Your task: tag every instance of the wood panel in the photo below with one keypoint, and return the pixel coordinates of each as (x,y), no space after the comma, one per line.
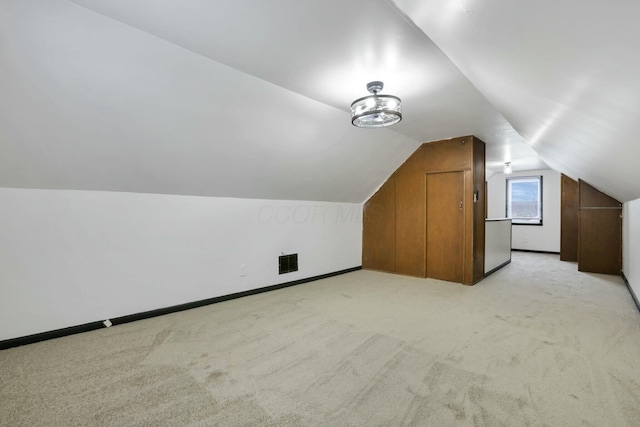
(467,242)
(449,155)
(592,197)
(568,219)
(379,230)
(445,226)
(411,216)
(479,209)
(395,219)
(600,231)
(600,241)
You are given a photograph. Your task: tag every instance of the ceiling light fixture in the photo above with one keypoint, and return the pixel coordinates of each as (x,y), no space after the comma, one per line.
(376,111)
(507,168)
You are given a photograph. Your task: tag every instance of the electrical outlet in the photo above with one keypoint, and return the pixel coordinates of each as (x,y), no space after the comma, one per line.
(243,270)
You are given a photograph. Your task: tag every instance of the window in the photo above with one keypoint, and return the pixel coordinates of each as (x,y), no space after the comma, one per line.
(524,200)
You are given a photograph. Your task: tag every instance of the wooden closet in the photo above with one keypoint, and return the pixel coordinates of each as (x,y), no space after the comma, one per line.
(599,231)
(428,218)
(590,228)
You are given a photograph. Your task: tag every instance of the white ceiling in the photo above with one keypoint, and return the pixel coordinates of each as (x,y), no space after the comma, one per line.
(249,98)
(565,74)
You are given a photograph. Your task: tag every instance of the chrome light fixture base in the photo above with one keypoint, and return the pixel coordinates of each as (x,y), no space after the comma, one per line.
(376,111)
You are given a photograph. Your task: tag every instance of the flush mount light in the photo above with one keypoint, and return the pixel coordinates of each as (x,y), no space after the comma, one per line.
(376,111)
(507,168)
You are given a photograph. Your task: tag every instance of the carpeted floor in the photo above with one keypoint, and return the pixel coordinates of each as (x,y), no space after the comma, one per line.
(536,343)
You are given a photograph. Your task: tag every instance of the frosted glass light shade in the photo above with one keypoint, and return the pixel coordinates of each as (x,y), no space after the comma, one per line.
(375,111)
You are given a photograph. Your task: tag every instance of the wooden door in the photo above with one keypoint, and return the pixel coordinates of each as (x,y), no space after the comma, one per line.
(445,226)
(600,231)
(600,246)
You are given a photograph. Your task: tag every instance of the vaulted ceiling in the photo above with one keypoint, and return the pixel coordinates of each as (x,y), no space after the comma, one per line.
(250,98)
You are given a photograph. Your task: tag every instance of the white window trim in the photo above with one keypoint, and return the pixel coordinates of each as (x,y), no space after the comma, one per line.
(523,221)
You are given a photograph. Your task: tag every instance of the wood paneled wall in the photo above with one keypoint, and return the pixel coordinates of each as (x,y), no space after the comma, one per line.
(410,182)
(479,207)
(379,218)
(599,231)
(395,218)
(568,219)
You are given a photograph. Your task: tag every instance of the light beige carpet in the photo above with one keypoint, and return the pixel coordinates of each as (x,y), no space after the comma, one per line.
(536,343)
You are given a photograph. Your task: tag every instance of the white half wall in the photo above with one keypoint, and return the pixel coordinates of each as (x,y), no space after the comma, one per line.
(631,244)
(74,257)
(497,244)
(530,237)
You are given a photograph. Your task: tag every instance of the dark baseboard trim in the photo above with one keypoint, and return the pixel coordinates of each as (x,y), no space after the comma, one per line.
(30,339)
(497,268)
(535,252)
(633,294)
(43,336)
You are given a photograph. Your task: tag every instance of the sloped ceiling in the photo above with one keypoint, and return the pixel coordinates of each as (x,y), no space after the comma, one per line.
(251,98)
(565,74)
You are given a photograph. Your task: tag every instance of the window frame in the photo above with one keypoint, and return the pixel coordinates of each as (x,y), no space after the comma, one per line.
(507,198)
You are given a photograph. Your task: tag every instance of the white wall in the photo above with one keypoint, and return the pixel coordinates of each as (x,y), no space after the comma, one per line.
(631,244)
(529,237)
(73,257)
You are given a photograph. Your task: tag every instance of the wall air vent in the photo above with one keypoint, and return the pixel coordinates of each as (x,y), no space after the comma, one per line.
(287,263)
